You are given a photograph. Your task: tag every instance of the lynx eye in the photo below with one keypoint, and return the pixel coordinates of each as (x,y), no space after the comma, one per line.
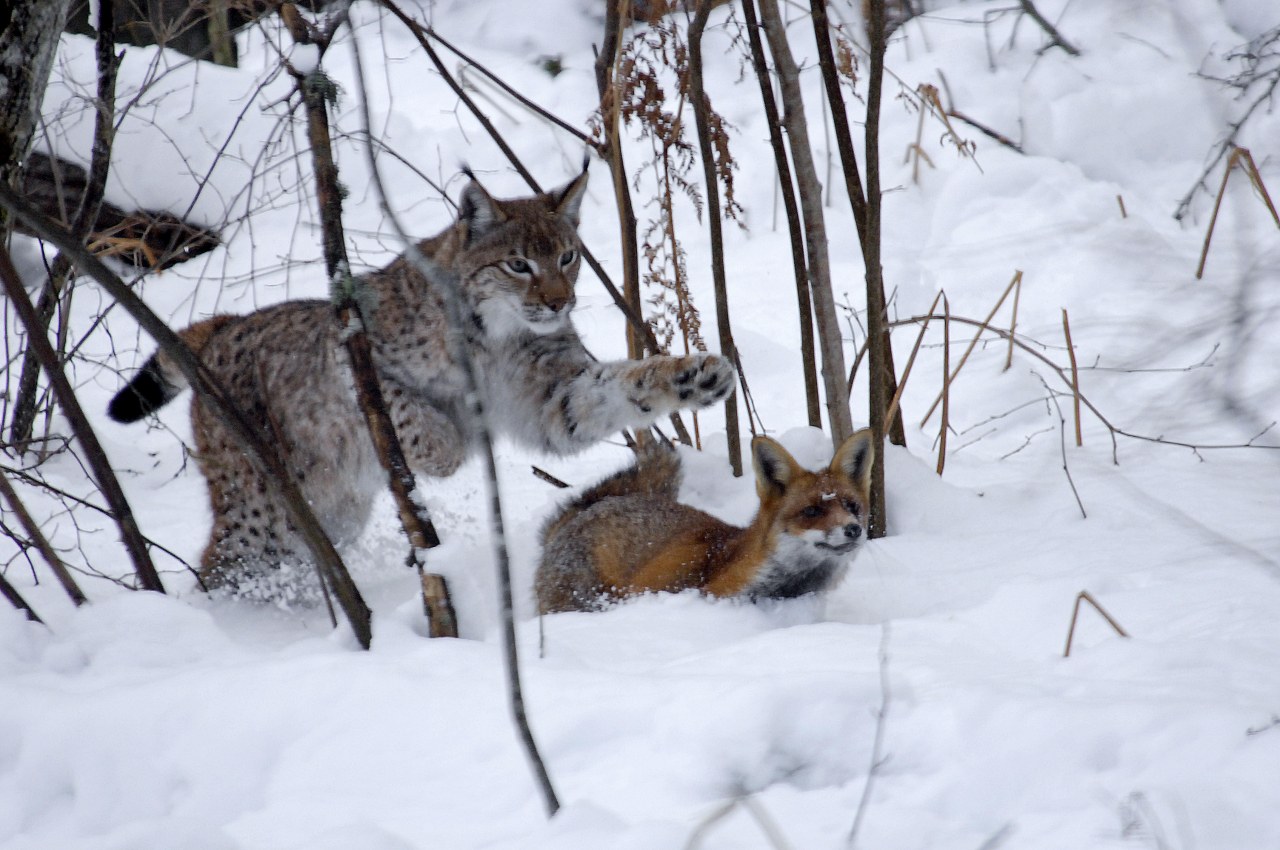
(518,265)
(568,257)
(812,512)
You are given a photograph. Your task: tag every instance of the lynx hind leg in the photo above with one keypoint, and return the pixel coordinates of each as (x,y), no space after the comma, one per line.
(671,383)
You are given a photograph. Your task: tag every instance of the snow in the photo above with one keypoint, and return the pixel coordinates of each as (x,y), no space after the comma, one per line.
(148,721)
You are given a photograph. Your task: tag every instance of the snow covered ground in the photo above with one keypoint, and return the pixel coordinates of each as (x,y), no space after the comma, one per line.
(148,721)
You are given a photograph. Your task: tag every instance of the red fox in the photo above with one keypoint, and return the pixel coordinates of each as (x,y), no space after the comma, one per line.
(628,535)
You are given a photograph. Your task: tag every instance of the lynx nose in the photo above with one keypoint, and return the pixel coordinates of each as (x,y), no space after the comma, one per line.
(556,303)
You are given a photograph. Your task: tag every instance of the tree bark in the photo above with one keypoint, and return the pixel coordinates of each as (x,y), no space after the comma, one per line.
(702,120)
(829,339)
(28,39)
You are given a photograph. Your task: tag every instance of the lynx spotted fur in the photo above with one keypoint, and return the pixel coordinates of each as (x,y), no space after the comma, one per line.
(517,261)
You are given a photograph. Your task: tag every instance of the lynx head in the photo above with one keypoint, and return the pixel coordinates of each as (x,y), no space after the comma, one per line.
(519,258)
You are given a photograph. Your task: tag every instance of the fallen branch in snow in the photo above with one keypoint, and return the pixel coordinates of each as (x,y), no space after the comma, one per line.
(40,542)
(877,747)
(1085,596)
(549,478)
(1055,37)
(448,285)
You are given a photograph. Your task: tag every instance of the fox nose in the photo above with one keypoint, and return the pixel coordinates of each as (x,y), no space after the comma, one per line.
(853,531)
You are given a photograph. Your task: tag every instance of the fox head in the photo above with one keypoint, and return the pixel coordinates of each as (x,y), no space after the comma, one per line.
(825,510)
(520,258)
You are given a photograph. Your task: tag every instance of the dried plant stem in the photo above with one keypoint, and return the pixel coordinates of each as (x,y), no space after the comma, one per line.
(1017,278)
(41,543)
(1055,37)
(1086,596)
(1062,440)
(248,433)
(1075,375)
(892,412)
(448,285)
(103,475)
(786,185)
(1124,213)
(1244,159)
(8,591)
(1013,320)
(947,378)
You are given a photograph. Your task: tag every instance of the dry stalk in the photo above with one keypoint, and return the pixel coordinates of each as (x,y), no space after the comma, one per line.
(1123,212)
(1075,376)
(906,372)
(1242,158)
(1013,321)
(877,747)
(10,592)
(1017,278)
(947,378)
(538,472)
(1086,596)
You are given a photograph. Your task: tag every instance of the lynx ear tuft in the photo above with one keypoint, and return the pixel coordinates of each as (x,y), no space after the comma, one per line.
(854,458)
(568,198)
(477,209)
(775,467)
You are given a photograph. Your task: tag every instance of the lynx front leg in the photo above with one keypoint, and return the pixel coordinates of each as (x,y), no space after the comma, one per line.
(608,397)
(431,442)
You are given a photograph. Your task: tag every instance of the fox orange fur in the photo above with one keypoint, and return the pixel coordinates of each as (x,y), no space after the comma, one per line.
(628,535)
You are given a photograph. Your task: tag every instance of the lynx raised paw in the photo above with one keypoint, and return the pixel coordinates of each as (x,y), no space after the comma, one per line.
(704,380)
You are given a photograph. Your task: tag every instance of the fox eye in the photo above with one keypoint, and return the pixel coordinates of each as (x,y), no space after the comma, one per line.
(568,257)
(812,512)
(518,265)
(851,506)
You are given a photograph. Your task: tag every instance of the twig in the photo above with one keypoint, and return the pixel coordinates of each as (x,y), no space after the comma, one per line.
(1013,323)
(41,542)
(1244,159)
(1055,37)
(946,383)
(877,747)
(1075,375)
(1052,397)
(1085,596)
(549,478)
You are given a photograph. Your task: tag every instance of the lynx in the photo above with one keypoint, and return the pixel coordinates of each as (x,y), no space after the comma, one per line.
(517,261)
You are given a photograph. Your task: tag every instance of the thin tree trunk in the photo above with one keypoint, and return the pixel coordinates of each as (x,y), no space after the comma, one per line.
(86,216)
(265,458)
(878,355)
(829,339)
(28,39)
(787,187)
(701,108)
(109,486)
(418,528)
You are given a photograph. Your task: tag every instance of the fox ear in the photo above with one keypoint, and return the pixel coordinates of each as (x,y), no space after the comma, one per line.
(478,210)
(854,458)
(568,198)
(774,465)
